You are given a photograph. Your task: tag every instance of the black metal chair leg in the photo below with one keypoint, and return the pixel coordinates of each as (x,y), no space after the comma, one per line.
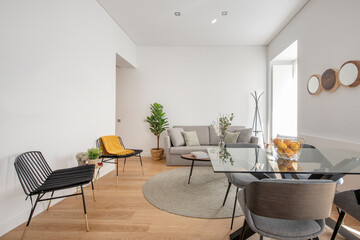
(142,169)
(124,164)
(52,194)
(192,165)
(243,230)
(30,216)
(227,192)
(338,225)
(83,198)
(117,171)
(233,215)
(93,192)
(117,167)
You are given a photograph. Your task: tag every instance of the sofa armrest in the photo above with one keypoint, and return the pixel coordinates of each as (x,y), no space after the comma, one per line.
(167,146)
(254,139)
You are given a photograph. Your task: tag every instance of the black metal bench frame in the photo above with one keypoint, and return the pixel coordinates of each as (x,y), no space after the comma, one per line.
(37,178)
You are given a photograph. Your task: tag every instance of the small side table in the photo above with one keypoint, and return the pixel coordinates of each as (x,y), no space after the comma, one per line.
(191,157)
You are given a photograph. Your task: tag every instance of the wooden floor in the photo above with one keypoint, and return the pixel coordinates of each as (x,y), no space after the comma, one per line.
(123,213)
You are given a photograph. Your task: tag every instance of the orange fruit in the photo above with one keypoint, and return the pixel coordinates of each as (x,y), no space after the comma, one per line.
(282,146)
(295,146)
(276,141)
(288,142)
(289,152)
(280,152)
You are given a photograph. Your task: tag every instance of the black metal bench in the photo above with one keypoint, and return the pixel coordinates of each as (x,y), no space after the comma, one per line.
(37,178)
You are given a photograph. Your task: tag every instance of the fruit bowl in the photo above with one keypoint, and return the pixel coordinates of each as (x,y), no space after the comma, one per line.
(287,147)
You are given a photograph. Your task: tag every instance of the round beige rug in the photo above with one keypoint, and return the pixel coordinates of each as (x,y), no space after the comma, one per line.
(202,198)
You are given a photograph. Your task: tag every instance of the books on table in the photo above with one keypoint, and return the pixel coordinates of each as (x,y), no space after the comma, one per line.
(200,154)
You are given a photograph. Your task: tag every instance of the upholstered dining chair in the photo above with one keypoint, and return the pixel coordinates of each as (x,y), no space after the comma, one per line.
(240,180)
(113,155)
(349,203)
(287,209)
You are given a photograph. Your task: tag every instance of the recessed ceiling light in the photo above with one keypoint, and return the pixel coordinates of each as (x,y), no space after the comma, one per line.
(177,14)
(214,21)
(224,13)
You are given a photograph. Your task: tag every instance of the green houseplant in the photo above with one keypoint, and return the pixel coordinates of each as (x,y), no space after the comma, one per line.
(93,155)
(158,123)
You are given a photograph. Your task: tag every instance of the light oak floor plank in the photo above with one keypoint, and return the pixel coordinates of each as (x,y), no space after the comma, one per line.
(122,213)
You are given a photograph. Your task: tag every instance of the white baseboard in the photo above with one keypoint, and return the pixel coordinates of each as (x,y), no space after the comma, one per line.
(22,217)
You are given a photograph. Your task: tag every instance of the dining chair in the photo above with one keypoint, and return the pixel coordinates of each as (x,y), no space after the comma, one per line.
(112,157)
(241,180)
(287,209)
(349,203)
(37,179)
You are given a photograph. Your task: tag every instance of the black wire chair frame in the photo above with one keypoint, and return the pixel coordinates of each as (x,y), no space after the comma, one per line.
(37,178)
(114,159)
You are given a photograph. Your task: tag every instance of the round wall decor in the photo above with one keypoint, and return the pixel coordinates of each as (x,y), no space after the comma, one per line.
(314,85)
(349,75)
(330,80)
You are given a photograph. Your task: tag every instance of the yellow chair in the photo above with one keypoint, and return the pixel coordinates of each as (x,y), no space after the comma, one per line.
(113,148)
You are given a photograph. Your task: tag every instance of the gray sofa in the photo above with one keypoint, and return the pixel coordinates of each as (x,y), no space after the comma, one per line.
(207,138)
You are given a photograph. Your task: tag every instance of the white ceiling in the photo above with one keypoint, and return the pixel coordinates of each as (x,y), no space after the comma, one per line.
(249,22)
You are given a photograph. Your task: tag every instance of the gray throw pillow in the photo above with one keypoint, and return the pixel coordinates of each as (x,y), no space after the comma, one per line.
(245,135)
(176,137)
(191,139)
(231,137)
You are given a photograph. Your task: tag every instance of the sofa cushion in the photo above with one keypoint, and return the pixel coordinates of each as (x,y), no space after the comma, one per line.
(231,137)
(176,136)
(245,135)
(201,131)
(214,139)
(191,139)
(187,150)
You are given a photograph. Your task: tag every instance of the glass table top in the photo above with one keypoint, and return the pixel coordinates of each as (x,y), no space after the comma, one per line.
(311,161)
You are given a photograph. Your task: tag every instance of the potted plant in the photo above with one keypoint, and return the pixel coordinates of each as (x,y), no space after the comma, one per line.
(93,155)
(158,123)
(221,126)
(82,158)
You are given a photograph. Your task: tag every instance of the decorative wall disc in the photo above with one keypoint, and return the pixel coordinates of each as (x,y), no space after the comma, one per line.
(349,75)
(330,80)
(314,85)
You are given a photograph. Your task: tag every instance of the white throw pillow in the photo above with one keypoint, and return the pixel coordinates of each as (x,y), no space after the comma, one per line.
(191,138)
(176,136)
(245,135)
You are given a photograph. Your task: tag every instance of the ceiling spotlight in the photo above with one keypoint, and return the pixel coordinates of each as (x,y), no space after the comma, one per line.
(177,14)
(214,21)
(224,13)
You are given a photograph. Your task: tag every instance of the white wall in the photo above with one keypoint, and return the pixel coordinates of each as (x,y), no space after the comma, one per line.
(194,84)
(57,94)
(328,35)
(327,32)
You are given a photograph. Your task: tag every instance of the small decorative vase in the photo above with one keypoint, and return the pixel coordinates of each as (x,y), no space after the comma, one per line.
(221,143)
(93,161)
(80,163)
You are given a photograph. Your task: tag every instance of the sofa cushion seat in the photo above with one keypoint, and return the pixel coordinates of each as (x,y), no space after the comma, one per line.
(186,150)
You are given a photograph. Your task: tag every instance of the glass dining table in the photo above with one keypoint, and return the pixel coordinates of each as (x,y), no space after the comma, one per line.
(262,163)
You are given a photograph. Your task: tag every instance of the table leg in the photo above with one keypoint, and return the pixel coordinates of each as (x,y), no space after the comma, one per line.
(237,234)
(192,166)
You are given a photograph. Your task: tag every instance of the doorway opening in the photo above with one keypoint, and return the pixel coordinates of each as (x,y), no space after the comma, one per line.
(284,92)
